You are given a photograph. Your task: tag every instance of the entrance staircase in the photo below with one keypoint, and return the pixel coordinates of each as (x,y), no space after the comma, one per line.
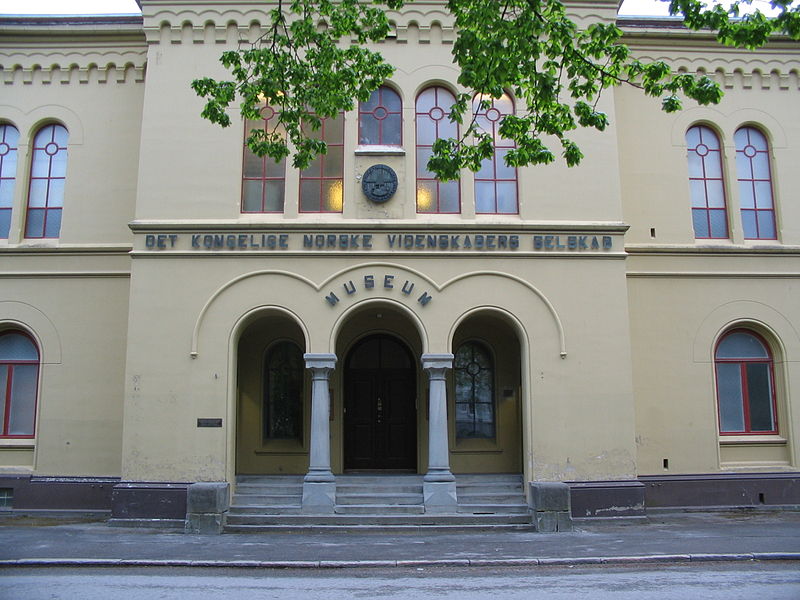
(378,502)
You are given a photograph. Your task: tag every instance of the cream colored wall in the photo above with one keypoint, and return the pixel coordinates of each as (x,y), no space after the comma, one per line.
(71,293)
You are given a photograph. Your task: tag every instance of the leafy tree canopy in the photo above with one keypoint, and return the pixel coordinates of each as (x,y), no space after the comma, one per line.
(315,60)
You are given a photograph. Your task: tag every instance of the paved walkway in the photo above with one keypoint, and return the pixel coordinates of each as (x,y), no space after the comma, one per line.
(680,537)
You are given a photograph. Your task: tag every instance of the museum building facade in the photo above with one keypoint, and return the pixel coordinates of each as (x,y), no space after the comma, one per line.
(175,310)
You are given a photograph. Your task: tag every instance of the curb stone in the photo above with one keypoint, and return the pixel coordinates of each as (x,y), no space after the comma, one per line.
(364,564)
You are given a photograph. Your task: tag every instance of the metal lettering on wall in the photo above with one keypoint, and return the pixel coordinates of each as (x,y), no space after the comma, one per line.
(387,282)
(381,242)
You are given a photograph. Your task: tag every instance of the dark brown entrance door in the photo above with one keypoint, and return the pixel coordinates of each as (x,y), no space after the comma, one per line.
(380,424)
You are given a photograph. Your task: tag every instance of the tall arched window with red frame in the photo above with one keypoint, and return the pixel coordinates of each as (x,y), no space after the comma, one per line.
(9,138)
(321,184)
(495,182)
(755,184)
(745,384)
(380,119)
(19,377)
(706,186)
(263,179)
(432,123)
(48,175)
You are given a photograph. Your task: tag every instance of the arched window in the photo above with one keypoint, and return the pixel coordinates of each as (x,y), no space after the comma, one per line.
(745,384)
(380,119)
(9,138)
(321,183)
(755,184)
(283,392)
(48,174)
(19,376)
(474,389)
(433,123)
(495,183)
(263,179)
(706,188)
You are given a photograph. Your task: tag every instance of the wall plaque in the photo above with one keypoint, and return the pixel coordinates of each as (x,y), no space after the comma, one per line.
(379,183)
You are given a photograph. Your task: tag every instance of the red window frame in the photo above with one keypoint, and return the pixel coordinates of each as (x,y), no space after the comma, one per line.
(263,178)
(45,141)
(743,362)
(489,119)
(759,188)
(8,366)
(436,117)
(8,174)
(321,164)
(708,152)
(380,113)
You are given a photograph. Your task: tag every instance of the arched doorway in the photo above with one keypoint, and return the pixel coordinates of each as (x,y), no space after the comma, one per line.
(380,420)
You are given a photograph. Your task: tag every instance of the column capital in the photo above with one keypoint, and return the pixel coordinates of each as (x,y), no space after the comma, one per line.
(437,361)
(320,361)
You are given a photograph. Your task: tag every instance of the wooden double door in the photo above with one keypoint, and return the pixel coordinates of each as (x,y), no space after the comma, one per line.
(380,418)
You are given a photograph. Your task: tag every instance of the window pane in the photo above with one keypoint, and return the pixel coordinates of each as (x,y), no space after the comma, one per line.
(423,154)
(761,166)
(700,223)
(759,395)
(310,195)
(38,193)
(697,193)
(332,196)
(369,130)
(763,194)
(5,223)
(426,130)
(4,370)
(743,167)
(426,196)
(695,164)
(487,169)
(34,227)
(484,197)
(314,168)
(391,99)
(449,197)
(719,224)
(284,398)
(504,172)
(58,164)
(392,134)
(729,389)
(716,195)
(741,345)
(372,103)
(251,195)
(275,170)
(273,202)
(41,164)
(506,197)
(6,193)
(749,224)
(334,130)
(426,100)
(60,135)
(334,161)
(253,165)
(766,225)
(712,165)
(55,196)
(52,223)
(23,400)
(14,346)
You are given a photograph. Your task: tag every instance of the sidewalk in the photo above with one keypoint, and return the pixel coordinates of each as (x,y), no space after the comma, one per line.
(679,537)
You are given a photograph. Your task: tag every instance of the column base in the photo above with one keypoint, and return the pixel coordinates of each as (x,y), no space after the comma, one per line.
(319,497)
(440,496)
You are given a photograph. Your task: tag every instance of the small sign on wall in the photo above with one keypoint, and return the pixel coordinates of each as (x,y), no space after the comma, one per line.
(209,422)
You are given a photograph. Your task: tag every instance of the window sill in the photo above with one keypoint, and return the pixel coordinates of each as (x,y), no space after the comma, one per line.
(745,440)
(379,150)
(25,443)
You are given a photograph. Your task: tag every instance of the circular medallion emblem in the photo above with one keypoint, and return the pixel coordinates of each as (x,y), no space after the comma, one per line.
(379,183)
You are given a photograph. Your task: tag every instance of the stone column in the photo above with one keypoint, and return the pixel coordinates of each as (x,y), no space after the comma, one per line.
(439,485)
(319,485)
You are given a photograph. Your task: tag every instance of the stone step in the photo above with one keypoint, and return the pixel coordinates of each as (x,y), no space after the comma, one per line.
(380,529)
(253,498)
(378,498)
(244,509)
(475,498)
(379,509)
(346,489)
(490,509)
(252,488)
(376,519)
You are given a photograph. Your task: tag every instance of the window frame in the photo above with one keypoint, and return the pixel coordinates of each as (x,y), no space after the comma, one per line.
(49,179)
(8,175)
(489,355)
(7,399)
(430,177)
(499,147)
(742,362)
(381,121)
(706,209)
(767,152)
(264,179)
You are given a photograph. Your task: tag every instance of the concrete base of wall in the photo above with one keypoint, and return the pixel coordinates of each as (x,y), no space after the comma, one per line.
(50,494)
(750,490)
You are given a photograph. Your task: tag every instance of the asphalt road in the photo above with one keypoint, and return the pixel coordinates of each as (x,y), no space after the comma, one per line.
(708,581)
